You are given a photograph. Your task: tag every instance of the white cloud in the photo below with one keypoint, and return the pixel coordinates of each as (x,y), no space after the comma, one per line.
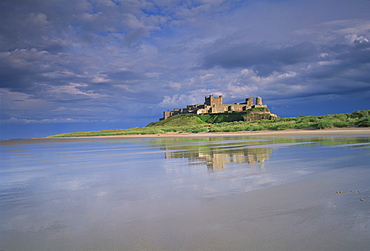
(348,30)
(250,76)
(178,101)
(74,89)
(38,19)
(352,38)
(328,62)
(22,57)
(125,88)
(323,55)
(207,76)
(99,79)
(174,85)
(48,120)
(247,83)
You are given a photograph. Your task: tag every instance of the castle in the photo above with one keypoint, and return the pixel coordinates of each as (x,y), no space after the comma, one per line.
(215,105)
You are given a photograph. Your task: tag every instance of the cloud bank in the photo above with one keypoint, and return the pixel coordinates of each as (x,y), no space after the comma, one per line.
(117,60)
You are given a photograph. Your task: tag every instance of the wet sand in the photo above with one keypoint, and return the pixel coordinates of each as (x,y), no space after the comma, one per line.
(220,193)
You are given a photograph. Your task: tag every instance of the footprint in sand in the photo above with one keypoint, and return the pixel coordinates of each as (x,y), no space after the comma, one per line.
(351,192)
(354,191)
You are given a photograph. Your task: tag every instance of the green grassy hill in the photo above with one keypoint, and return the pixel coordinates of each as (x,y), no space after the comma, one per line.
(179,120)
(213,118)
(234,122)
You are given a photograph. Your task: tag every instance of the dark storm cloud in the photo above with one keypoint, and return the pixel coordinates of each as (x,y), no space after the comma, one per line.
(53,43)
(15,80)
(263,58)
(35,24)
(346,61)
(301,70)
(29,70)
(357,55)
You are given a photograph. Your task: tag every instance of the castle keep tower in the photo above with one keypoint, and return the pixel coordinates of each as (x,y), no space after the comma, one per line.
(211,101)
(249,102)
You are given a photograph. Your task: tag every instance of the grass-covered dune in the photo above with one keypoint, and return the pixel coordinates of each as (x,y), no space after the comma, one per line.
(215,118)
(235,122)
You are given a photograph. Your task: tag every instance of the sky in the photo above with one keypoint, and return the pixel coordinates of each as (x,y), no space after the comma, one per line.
(87,65)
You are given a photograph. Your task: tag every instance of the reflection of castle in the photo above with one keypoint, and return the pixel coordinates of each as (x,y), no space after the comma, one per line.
(215,105)
(217,159)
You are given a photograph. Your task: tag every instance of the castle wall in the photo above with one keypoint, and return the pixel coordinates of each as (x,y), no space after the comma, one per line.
(214,105)
(237,107)
(217,109)
(201,111)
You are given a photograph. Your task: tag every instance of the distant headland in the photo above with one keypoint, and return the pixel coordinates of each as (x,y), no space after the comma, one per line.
(214,105)
(213,117)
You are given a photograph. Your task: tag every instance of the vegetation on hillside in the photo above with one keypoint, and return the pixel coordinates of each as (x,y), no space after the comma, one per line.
(234,122)
(179,120)
(213,118)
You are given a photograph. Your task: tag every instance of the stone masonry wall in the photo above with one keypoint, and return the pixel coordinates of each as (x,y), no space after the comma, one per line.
(214,105)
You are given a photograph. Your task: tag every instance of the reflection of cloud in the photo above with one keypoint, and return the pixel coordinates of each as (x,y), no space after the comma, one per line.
(77,184)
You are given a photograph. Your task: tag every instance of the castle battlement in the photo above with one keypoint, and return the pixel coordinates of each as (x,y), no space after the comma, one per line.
(214,104)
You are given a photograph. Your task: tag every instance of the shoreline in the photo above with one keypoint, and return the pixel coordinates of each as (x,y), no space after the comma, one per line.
(288,132)
(353,131)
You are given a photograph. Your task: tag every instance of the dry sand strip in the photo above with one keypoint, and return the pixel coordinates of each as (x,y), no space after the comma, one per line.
(294,132)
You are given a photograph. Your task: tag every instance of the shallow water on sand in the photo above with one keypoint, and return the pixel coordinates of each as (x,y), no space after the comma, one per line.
(213,193)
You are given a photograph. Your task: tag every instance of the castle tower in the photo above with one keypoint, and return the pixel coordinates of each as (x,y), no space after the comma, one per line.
(258,101)
(211,101)
(249,102)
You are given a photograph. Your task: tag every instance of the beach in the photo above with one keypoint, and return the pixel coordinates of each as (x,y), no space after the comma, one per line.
(276,190)
(293,132)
